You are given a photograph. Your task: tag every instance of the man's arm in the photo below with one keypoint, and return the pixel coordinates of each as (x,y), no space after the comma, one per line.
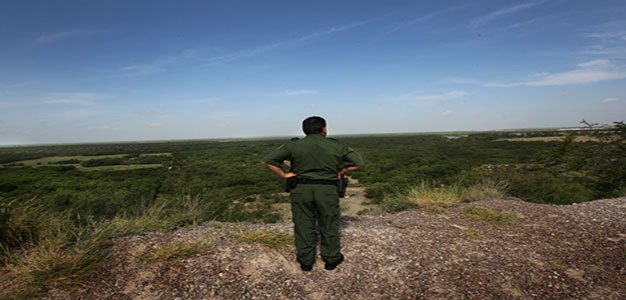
(352,159)
(275,159)
(280,171)
(343,171)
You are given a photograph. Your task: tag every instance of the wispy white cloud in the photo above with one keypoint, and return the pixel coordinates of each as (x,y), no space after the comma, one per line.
(484,19)
(293,42)
(72,114)
(609,39)
(594,63)
(462,80)
(608,30)
(447,113)
(299,92)
(62,35)
(567,78)
(139,70)
(419,99)
(17,85)
(516,25)
(74,98)
(217,112)
(424,18)
(562,95)
(150,113)
(588,72)
(608,100)
(161,64)
(199,101)
(444,97)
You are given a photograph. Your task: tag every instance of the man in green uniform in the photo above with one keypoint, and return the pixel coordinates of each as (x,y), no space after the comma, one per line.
(318,162)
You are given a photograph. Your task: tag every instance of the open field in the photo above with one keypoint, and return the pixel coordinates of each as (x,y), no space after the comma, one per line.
(61,161)
(549,139)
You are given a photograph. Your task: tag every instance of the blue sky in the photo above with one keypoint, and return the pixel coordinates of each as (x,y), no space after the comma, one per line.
(91,71)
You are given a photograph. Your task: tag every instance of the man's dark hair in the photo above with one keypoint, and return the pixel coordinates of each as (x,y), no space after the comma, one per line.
(312,125)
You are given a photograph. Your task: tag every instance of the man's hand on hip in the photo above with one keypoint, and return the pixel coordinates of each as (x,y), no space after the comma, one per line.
(289,175)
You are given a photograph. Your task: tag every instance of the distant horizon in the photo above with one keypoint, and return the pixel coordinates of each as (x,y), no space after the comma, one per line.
(78,71)
(275,137)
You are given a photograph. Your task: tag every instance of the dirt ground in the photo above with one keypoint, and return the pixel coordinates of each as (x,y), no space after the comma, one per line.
(553,252)
(354,202)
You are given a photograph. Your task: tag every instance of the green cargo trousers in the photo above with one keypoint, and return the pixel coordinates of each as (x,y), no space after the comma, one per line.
(311,202)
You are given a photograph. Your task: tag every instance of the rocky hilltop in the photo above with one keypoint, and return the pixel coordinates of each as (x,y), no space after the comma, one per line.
(550,252)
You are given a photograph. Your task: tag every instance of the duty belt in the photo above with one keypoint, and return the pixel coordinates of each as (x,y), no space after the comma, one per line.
(316,181)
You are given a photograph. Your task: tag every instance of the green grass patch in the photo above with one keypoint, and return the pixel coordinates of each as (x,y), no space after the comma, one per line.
(278,241)
(490,215)
(174,250)
(471,232)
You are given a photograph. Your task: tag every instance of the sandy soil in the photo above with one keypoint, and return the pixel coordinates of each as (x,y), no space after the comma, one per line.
(553,252)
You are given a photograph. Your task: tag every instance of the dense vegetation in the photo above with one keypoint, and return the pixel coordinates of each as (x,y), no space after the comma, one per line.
(73,206)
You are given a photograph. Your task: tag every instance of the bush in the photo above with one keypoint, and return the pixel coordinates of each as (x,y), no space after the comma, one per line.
(378,191)
(109,161)
(547,188)
(68,161)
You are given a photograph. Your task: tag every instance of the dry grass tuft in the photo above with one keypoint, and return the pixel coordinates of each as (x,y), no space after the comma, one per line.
(428,196)
(278,241)
(486,190)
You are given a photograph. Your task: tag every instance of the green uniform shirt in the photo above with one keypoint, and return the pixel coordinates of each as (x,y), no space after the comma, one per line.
(315,157)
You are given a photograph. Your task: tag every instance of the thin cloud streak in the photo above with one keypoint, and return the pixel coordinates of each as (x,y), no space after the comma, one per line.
(62,35)
(446,97)
(516,25)
(417,99)
(82,99)
(149,113)
(594,63)
(269,47)
(567,78)
(588,72)
(484,19)
(609,100)
(424,18)
(159,65)
(299,92)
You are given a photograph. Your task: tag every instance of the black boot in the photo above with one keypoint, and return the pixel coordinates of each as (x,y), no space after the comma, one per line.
(329,266)
(306,268)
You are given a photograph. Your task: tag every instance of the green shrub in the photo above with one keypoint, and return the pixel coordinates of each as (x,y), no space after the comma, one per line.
(547,188)
(378,191)
(68,161)
(107,161)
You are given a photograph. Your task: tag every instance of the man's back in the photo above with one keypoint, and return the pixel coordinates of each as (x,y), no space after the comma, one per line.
(315,157)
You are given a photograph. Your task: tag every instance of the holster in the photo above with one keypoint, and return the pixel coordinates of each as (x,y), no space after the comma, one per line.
(291,183)
(342,185)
